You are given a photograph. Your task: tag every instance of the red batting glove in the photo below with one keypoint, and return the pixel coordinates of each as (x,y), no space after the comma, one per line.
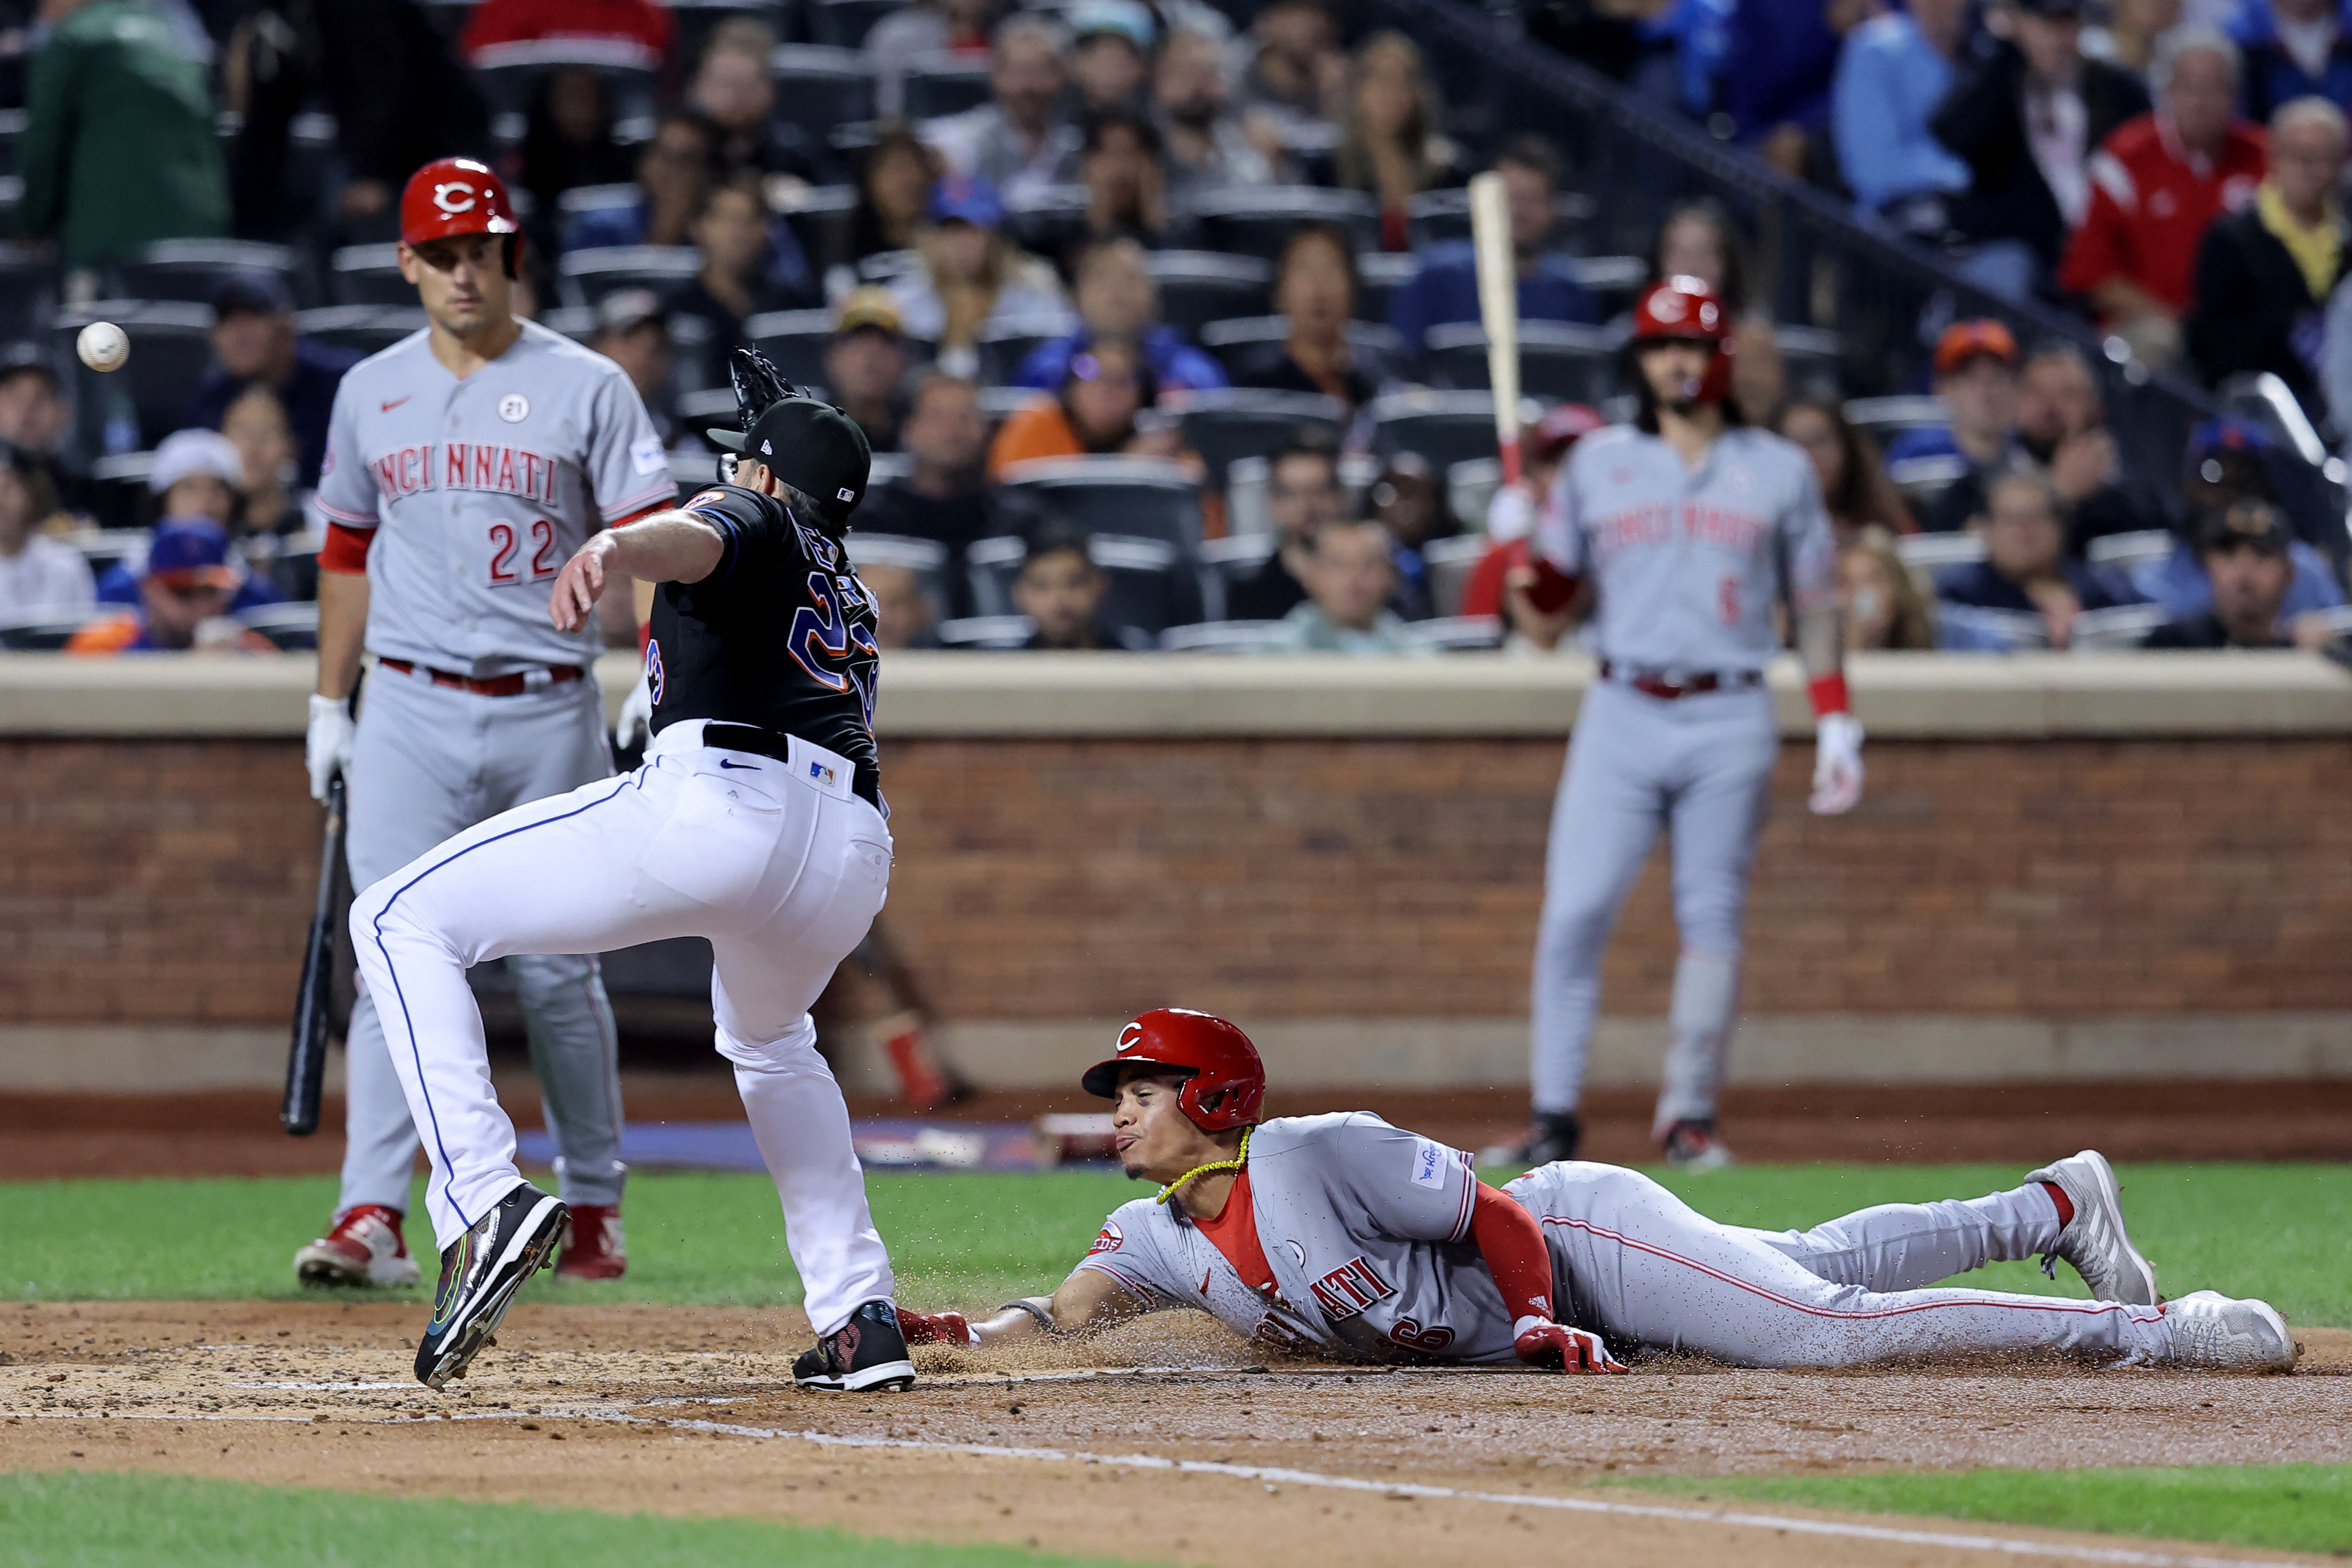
(1558,1348)
(937,1329)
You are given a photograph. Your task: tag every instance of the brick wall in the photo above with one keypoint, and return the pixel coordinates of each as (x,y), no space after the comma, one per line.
(171,881)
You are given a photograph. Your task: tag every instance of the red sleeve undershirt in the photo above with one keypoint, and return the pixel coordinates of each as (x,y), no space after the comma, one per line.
(1235,1232)
(346,549)
(1512,1243)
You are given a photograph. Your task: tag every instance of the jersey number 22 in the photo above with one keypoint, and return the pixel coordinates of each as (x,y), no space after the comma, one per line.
(505,545)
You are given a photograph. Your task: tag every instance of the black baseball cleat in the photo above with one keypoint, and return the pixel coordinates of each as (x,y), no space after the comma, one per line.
(480,1273)
(1554,1135)
(867,1351)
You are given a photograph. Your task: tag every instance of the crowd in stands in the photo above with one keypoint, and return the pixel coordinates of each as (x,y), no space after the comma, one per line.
(1115,405)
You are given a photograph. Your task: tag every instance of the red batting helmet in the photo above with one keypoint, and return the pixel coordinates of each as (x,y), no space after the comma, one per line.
(1689,309)
(1227,1080)
(458,196)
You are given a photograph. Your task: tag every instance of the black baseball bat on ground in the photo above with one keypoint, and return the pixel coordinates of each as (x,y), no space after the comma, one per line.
(306,1057)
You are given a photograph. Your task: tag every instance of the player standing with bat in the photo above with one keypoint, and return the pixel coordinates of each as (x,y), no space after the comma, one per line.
(465,464)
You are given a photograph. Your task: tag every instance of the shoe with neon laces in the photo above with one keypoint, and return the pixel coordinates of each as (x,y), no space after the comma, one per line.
(2094,1240)
(364,1247)
(480,1272)
(2209,1329)
(597,1248)
(867,1351)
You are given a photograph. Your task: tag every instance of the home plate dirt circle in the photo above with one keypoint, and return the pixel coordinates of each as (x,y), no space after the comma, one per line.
(1168,1442)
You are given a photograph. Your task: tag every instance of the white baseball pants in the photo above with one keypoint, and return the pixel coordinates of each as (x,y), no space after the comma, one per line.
(777,863)
(1636,1263)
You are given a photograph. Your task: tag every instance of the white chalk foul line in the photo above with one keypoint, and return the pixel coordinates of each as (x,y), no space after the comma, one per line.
(2003,1545)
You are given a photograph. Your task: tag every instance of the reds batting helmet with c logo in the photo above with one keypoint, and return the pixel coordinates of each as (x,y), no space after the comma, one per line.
(1688,309)
(452,196)
(1227,1082)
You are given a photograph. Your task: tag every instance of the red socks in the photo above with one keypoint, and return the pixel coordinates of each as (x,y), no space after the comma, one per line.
(2065,1204)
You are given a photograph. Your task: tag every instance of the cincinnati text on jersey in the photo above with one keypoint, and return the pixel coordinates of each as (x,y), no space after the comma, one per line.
(1656,522)
(468,466)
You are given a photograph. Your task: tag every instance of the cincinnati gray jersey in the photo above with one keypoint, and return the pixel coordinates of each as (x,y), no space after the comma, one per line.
(1688,563)
(480,490)
(1367,1229)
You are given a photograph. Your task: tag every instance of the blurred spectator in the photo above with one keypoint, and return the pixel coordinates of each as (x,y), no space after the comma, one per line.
(1018,139)
(1499,583)
(1207,146)
(253,340)
(2024,113)
(1296,71)
(1117,299)
(1063,593)
(2244,551)
(2128,37)
(735,90)
(1408,500)
(267,478)
(2293,48)
(118,149)
(186,592)
(1444,286)
(1392,143)
(2230,460)
(957,27)
(1894,71)
(673,174)
(34,418)
(1884,606)
(2264,275)
(1315,292)
(1854,488)
(2063,426)
(1303,497)
(1697,240)
(1110,53)
(2156,185)
(37,571)
(894,190)
(1350,576)
(2026,568)
(1127,187)
(1760,371)
(735,282)
(568,143)
(197,473)
(942,497)
(866,363)
(1786,54)
(1976,381)
(1103,392)
(633,333)
(973,278)
(634,33)
(401,99)
(905,613)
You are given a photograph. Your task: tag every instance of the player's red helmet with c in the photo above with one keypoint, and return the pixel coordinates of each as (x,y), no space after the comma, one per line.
(457,195)
(1227,1082)
(1688,309)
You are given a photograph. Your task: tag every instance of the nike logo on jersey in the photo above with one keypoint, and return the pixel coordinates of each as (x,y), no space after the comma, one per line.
(725,763)
(396,403)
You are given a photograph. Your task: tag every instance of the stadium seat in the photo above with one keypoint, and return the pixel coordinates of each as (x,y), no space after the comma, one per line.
(1450,562)
(192,270)
(120,503)
(820,86)
(582,199)
(1446,428)
(844,23)
(2117,627)
(1886,416)
(1558,361)
(1378,277)
(1226,562)
(147,399)
(1049,220)
(362,328)
(47,629)
(1436,217)
(288,626)
(1004,346)
(698,411)
(1236,342)
(1255,220)
(1614,279)
(110,547)
(926,558)
(997,401)
(369,274)
(1216,637)
(1150,587)
(795,340)
(509,73)
(2128,551)
(1931,551)
(941,84)
(589,275)
(885,265)
(988,633)
(1246,422)
(28,291)
(1923,481)
(1457,633)
(819,217)
(1812,355)
(1139,497)
(1197,287)
(698,19)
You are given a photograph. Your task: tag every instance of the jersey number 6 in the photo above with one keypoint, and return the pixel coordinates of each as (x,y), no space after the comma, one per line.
(505,545)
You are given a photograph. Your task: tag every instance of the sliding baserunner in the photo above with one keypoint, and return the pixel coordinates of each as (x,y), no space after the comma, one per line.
(1342,1236)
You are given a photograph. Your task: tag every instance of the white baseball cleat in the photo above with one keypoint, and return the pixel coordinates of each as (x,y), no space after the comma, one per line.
(2094,1240)
(2209,1329)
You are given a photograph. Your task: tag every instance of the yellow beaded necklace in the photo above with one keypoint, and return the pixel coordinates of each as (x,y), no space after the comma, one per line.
(1234,1163)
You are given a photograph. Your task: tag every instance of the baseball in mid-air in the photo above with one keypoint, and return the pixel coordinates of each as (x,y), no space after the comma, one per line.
(102,345)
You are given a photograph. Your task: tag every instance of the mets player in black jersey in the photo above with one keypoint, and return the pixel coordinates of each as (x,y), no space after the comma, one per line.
(756,821)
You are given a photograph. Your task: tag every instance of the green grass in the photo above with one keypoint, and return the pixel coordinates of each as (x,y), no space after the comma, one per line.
(2285,1508)
(2282,1232)
(89,1519)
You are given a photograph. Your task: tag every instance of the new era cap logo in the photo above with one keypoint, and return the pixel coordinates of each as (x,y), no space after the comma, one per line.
(766,449)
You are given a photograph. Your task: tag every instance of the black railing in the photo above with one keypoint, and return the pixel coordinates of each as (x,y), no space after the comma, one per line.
(1812,262)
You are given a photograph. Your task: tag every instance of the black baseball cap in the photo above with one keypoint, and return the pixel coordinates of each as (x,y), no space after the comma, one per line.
(2246,524)
(810,446)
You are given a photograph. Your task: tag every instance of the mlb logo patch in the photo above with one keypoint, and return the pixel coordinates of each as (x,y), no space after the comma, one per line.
(822,773)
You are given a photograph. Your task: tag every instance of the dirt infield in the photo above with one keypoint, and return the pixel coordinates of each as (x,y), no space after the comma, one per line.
(234,1133)
(1204,1456)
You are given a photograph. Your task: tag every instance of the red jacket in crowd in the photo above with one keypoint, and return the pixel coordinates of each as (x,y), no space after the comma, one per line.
(2151,202)
(633,32)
